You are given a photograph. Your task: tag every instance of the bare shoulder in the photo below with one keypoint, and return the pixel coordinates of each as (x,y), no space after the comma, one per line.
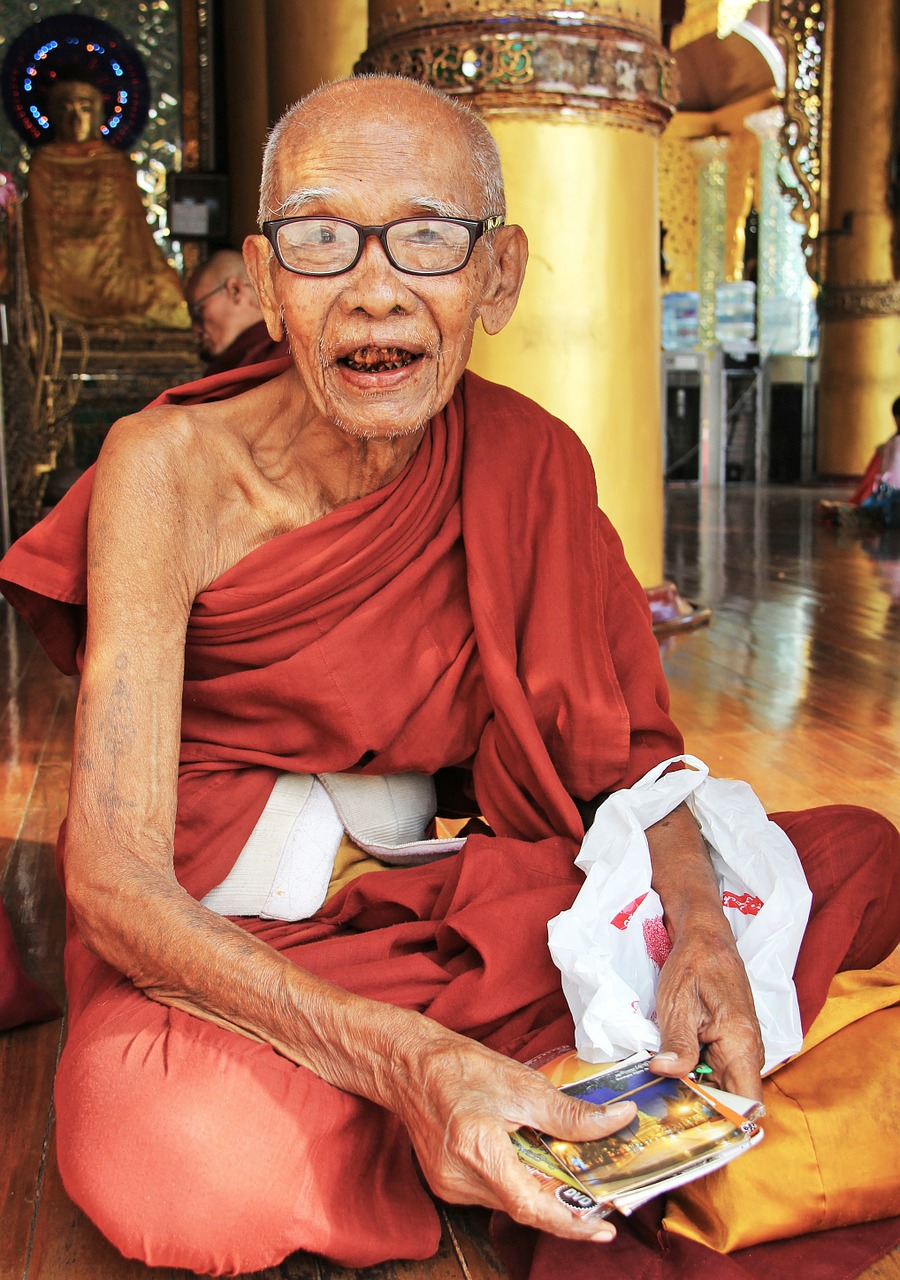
(168,489)
(158,445)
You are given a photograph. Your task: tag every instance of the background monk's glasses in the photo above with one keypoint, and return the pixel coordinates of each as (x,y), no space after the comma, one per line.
(195,310)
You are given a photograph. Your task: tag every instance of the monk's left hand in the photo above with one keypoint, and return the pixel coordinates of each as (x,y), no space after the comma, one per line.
(704,1003)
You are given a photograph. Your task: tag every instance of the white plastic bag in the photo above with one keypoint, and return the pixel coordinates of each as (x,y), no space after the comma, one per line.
(609,946)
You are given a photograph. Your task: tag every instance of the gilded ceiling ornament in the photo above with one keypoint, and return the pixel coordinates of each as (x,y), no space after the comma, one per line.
(730,14)
(701,18)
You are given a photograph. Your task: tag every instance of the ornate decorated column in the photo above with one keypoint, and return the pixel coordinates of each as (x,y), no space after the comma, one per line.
(576,96)
(783,287)
(860,301)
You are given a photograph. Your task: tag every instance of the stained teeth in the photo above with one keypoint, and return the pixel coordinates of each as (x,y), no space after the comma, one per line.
(378,359)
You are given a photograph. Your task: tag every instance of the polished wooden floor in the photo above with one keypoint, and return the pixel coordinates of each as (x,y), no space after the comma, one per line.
(794,686)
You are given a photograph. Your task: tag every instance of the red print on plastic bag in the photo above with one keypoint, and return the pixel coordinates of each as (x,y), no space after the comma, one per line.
(657,941)
(746,903)
(621,919)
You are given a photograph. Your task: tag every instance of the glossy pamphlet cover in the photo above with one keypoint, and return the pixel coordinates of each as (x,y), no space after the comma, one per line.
(682,1130)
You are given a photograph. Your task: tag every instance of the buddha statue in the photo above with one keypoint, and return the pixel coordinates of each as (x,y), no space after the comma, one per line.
(90,250)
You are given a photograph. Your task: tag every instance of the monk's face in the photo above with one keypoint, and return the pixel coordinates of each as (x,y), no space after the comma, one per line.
(75,110)
(378,351)
(216,316)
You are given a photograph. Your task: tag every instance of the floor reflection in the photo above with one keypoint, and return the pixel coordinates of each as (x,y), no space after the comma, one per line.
(795,684)
(883,548)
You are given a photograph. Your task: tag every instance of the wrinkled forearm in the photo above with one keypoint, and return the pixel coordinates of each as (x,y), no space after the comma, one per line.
(703,997)
(683,875)
(183,955)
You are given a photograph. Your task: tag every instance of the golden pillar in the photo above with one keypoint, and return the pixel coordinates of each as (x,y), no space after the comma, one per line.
(275,52)
(860,302)
(247,110)
(310,44)
(576,101)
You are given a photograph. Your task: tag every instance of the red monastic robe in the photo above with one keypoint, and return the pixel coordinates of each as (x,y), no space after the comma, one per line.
(476,612)
(253,346)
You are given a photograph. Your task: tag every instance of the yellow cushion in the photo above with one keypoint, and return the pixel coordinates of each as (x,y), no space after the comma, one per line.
(829,1156)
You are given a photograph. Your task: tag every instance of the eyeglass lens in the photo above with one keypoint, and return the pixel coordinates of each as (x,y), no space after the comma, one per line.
(426,246)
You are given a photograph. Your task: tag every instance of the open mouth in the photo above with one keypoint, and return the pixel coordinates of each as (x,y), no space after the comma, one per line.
(379,359)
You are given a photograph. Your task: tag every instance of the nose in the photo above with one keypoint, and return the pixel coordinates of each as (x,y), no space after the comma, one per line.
(374,286)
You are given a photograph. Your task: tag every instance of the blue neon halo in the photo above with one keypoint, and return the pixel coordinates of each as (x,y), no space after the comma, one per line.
(66,45)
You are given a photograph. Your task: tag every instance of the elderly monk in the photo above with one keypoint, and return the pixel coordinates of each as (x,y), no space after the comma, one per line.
(294,606)
(226,316)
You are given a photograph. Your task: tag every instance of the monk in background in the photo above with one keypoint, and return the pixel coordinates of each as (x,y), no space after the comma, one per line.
(226,316)
(307,614)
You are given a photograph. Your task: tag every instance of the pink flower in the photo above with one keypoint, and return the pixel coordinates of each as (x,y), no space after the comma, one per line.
(9,192)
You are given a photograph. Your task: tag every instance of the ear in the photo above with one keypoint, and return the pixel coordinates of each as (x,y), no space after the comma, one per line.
(235,288)
(259,260)
(505,281)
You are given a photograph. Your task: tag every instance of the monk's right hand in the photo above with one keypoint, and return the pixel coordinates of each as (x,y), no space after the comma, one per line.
(460,1102)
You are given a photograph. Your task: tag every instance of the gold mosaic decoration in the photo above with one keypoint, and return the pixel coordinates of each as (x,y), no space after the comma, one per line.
(679,205)
(847,301)
(679,211)
(712,161)
(741,184)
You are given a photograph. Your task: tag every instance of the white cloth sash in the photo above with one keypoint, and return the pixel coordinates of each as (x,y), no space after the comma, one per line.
(284,869)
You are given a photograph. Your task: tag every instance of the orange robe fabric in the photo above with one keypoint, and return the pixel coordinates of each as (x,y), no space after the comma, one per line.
(869,480)
(478,612)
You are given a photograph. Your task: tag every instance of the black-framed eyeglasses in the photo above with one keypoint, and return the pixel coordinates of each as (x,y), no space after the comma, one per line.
(195,308)
(430,246)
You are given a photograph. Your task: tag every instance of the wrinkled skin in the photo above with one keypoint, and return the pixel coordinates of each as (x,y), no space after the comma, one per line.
(704,998)
(379,173)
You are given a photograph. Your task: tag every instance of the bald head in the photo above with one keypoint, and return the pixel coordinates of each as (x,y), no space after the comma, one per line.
(367,99)
(216,270)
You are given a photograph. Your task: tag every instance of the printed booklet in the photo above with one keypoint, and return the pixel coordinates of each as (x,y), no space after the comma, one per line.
(683,1130)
